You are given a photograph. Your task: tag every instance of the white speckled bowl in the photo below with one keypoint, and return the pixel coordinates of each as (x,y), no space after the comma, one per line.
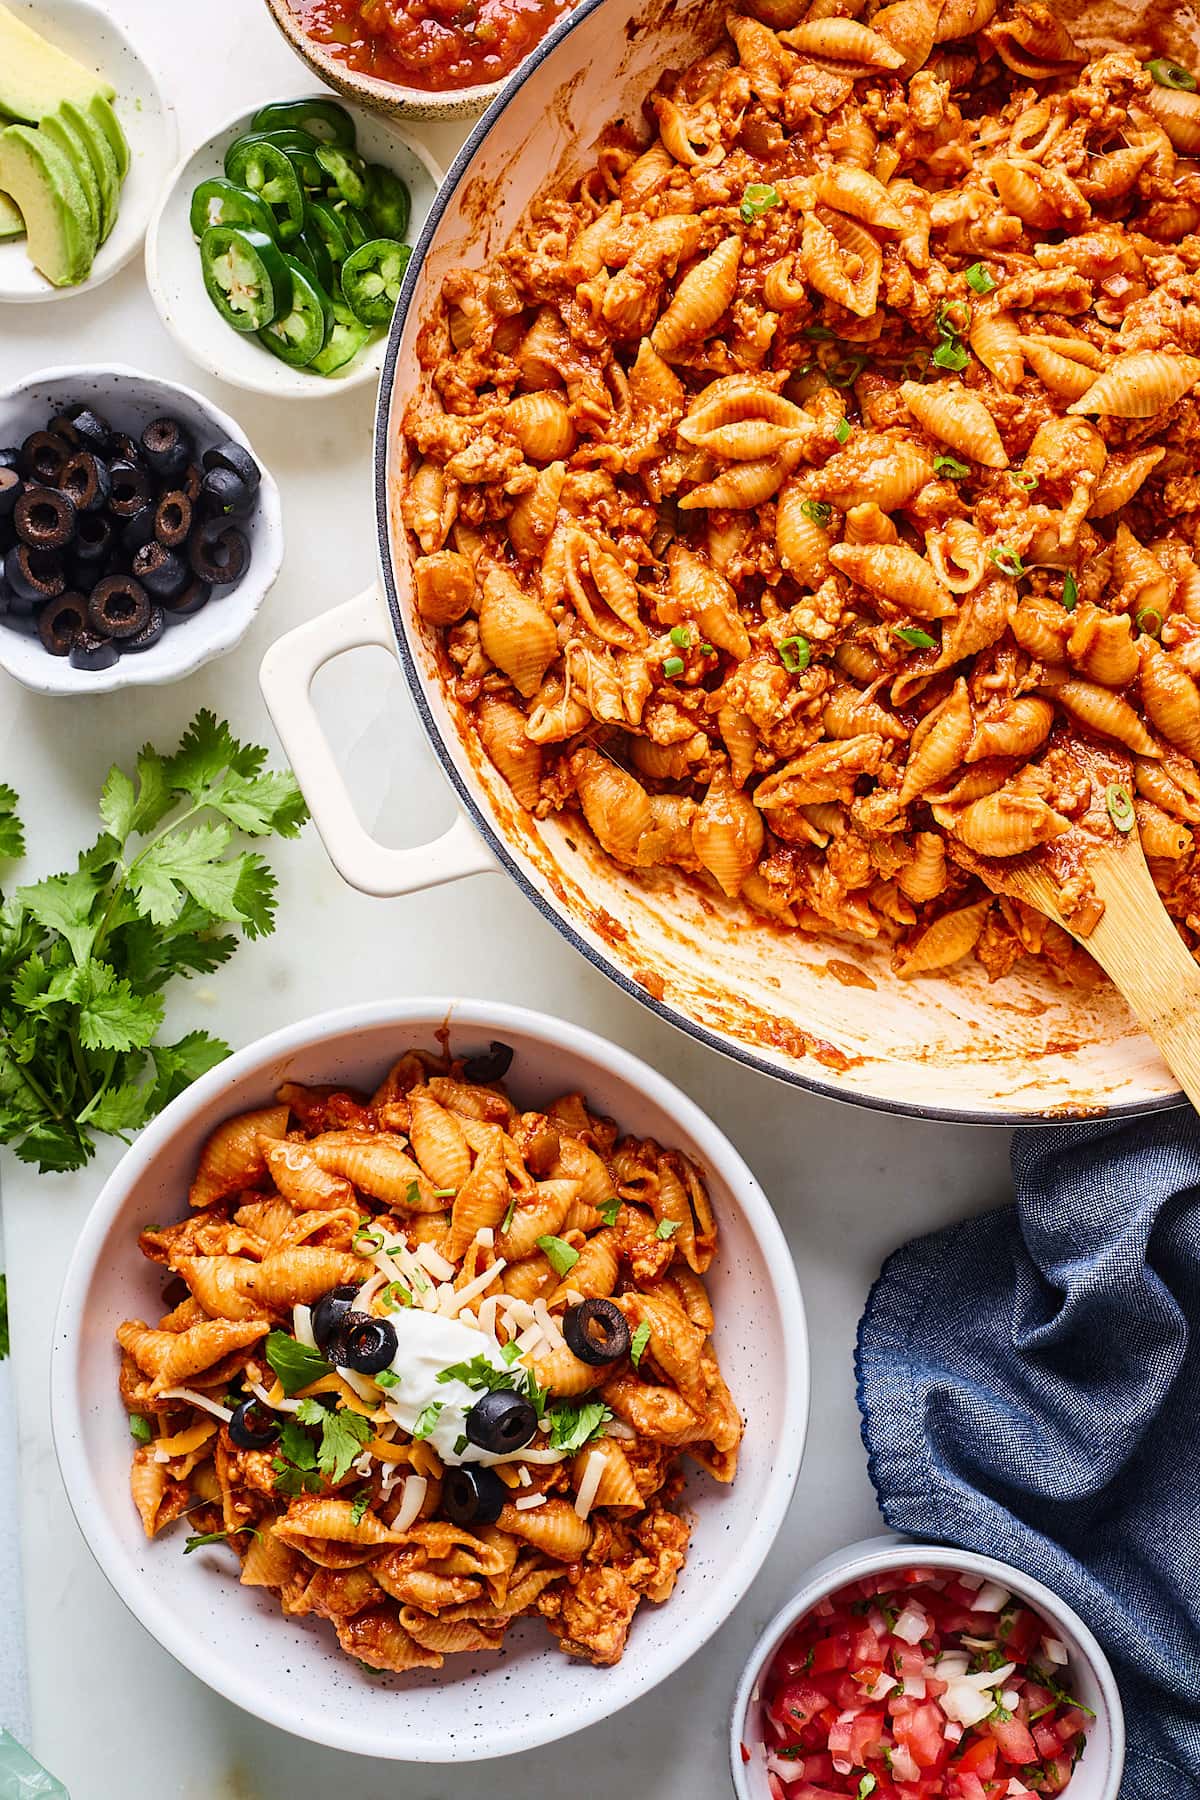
(94,38)
(290,1672)
(129,400)
(1089,1677)
(177,286)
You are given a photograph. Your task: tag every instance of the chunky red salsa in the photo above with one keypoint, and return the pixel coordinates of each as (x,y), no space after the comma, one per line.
(920,1684)
(435,44)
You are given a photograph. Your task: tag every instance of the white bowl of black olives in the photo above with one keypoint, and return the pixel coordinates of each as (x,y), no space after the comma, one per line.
(139,533)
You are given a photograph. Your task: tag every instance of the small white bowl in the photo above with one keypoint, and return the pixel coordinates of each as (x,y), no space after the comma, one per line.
(1098,1775)
(177,286)
(129,400)
(290,1671)
(95,39)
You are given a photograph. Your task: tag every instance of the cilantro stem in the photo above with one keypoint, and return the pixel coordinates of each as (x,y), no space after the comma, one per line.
(81,1068)
(35,1087)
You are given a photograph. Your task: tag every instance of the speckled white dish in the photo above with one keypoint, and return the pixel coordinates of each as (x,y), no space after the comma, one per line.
(177,286)
(129,400)
(95,39)
(290,1672)
(1089,1675)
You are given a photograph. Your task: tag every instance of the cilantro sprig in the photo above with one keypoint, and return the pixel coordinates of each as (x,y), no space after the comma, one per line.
(85,955)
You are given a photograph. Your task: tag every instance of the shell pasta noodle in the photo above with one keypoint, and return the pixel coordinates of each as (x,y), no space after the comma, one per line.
(805,494)
(432,1364)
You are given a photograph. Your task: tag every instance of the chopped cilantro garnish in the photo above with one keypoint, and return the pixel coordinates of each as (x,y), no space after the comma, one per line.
(1070,593)
(199,1539)
(638,1342)
(295,1364)
(573,1425)
(914,636)
(666,1228)
(388,1378)
(609,1210)
(427,1418)
(359,1505)
(559,1254)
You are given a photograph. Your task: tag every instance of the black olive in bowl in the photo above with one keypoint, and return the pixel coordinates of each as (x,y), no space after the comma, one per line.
(162,572)
(11,486)
(219,553)
(195,596)
(222,493)
(34,576)
(43,457)
(149,635)
(44,518)
(92,652)
(238,461)
(131,489)
(173,519)
(60,621)
(167,448)
(139,529)
(328,1316)
(90,429)
(118,607)
(87,480)
(93,535)
(364,1344)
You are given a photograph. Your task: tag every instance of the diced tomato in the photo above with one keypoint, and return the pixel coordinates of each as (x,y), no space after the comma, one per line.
(799,1702)
(1047,1740)
(1017,1741)
(791,1659)
(1071,1725)
(830,1653)
(980,1758)
(775,1788)
(818,1768)
(921,1730)
(1036,1697)
(1019,1633)
(1056,1773)
(970,1787)
(865,1648)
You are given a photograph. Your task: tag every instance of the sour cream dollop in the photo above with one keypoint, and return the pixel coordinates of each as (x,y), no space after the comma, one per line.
(428,1343)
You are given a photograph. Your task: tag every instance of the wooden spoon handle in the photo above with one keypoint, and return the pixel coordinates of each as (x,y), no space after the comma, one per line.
(1138,947)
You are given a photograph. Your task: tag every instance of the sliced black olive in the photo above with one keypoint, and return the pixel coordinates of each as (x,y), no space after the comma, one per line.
(167,448)
(252,1427)
(92,652)
(89,429)
(87,480)
(45,518)
(222,492)
(596,1331)
(492,1067)
(195,595)
(33,575)
(501,1422)
(139,529)
(329,1315)
(163,573)
(10,490)
(43,457)
(173,519)
(193,475)
(365,1344)
(219,553)
(235,458)
(10,458)
(118,607)
(93,535)
(473,1496)
(123,448)
(60,621)
(131,490)
(150,633)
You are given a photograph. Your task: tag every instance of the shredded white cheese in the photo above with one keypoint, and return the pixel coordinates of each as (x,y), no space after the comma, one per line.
(593,1475)
(302,1326)
(485,1237)
(459,1297)
(433,1261)
(527,1502)
(411,1502)
(283,1404)
(202,1400)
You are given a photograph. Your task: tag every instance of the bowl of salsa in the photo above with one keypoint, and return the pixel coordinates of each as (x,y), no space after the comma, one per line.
(428,59)
(905,1671)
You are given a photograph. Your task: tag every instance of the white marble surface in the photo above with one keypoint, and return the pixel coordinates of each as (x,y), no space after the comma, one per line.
(112,1715)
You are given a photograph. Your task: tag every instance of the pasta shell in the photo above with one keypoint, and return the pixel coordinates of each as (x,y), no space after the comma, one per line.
(655,391)
(842,261)
(301,1274)
(947,940)
(705,596)
(851,190)
(482,1200)
(1139,384)
(910,26)
(554,1528)
(376,1637)
(518,758)
(1106,713)
(1035,44)
(727,834)
(593,244)
(1018,185)
(1144,582)
(535,513)
(704,294)
(1008,824)
(172,1358)
(437,1141)
(428,504)
(1121,479)
(542,425)
(847,712)
(1178,113)
(1066,378)
(616,807)
(843,44)
(963,18)
(1011,728)
(561,1371)
(1162,835)
(1101,646)
(947,411)
(957,555)
(445,587)
(377,1165)
(300,1178)
(515,631)
(939,744)
(875,468)
(1170,698)
(924,878)
(896,573)
(996,340)
(801,545)
(232,1158)
(595,1274)
(537,1214)
(618,1484)
(746,484)
(1041,626)
(784,286)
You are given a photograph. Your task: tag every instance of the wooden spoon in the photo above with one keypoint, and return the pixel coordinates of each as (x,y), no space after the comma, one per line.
(1134,940)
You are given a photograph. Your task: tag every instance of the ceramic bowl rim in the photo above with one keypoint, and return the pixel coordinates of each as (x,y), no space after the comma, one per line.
(241,605)
(789,1433)
(431,104)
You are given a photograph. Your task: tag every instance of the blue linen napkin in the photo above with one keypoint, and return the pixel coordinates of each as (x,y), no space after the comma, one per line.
(1029,1383)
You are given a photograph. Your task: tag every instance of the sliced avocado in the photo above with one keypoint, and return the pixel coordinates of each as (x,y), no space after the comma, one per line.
(100,107)
(11,223)
(65,138)
(52,203)
(104,163)
(35,75)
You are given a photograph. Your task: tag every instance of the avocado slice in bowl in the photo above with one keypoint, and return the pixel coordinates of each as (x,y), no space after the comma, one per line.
(35,75)
(100,108)
(65,138)
(12,225)
(50,198)
(104,161)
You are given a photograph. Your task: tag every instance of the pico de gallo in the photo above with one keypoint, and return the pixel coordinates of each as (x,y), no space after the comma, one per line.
(918,1684)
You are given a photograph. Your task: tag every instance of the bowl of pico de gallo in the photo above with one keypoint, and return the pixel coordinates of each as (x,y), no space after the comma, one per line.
(909,1671)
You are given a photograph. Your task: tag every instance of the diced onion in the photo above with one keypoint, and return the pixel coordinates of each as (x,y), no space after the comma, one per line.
(972,1583)
(202,1400)
(914,1687)
(411,1502)
(950,1664)
(884,1684)
(785,1768)
(302,1326)
(904,1767)
(912,1625)
(877,1622)
(1010,1699)
(485,1237)
(523,1476)
(1056,1652)
(992,1598)
(954,1732)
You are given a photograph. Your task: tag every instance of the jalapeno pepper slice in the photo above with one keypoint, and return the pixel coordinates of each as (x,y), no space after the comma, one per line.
(346,339)
(371,278)
(388,202)
(246,275)
(264,168)
(321,119)
(298,335)
(320,220)
(309,248)
(219,202)
(345,173)
(300,150)
(357,226)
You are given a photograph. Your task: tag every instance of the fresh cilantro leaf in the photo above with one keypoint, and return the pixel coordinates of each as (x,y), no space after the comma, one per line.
(572,1426)
(311,1412)
(479,1373)
(343,1435)
(206,750)
(866,1786)
(66,904)
(111,1016)
(118,803)
(296,1465)
(511,1352)
(427,1418)
(261,804)
(12,836)
(666,1228)
(638,1342)
(559,1254)
(609,1210)
(297,1446)
(176,1066)
(359,1505)
(294,1363)
(119,1109)
(140,1428)
(198,1539)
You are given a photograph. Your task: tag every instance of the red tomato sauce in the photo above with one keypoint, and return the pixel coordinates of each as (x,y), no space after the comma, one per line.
(918,1684)
(435,44)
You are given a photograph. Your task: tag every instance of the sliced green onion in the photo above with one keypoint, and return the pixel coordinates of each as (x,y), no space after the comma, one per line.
(681,637)
(1172,75)
(845,371)
(820,334)
(950,467)
(757,199)
(1007,561)
(366,1243)
(395,1294)
(674,665)
(1070,593)
(387,1378)
(1021,479)
(914,636)
(508,1217)
(980,279)
(1154,618)
(915,367)
(1120,806)
(841,430)
(706,649)
(795,653)
(817,512)
(950,354)
(140,1428)
(427,1419)
(954,318)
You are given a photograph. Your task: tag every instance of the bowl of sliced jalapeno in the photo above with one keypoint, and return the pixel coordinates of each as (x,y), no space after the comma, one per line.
(277,250)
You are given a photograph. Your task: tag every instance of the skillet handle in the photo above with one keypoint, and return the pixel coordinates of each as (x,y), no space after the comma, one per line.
(286,677)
